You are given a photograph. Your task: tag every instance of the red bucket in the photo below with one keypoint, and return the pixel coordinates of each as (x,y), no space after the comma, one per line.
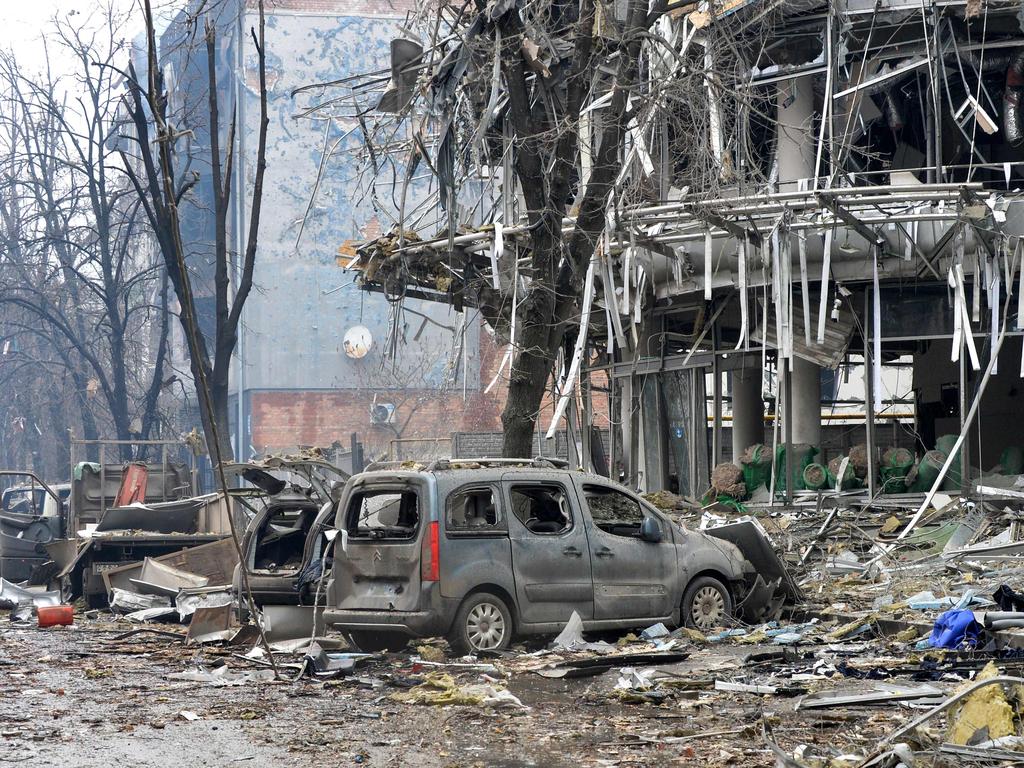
(55,615)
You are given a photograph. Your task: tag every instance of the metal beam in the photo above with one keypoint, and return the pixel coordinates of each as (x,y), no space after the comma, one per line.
(852,221)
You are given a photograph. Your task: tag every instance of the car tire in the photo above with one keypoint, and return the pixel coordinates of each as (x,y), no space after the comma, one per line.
(373,642)
(483,623)
(706,604)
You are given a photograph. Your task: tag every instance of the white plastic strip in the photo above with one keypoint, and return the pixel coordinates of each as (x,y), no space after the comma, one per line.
(565,389)
(826,267)
(804,288)
(638,299)
(510,349)
(708,243)
(496,253)
(976,284)
(958,322)
(627,273)
(1020,290)
(612,304)
(611,333)
(501,367)
(967,330)
(995,288)
(764,322)
(741,253)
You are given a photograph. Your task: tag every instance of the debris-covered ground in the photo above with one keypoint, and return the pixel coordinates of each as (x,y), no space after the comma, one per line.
(106,693)
(81,696)
(907,605)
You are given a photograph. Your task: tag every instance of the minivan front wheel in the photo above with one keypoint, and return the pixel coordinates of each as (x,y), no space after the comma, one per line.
(706,604)
(483,623)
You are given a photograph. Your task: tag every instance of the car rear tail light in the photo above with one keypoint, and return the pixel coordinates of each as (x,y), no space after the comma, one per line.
(430,561)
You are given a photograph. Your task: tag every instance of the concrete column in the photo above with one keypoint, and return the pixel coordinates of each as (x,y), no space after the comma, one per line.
(796,131)
(806,402)
(747,410)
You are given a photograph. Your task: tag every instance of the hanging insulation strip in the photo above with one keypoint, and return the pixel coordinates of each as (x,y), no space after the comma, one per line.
(567,384)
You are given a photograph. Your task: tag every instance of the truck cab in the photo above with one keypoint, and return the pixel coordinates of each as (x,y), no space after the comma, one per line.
(31,516)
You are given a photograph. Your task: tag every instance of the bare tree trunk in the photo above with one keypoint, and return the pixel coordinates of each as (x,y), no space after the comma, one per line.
(160,191)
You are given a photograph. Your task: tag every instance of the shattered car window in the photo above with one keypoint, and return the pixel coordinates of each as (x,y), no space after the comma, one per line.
(613,512)
(542,509)
(281,539)
(23,501)
(383,515)
(474,510)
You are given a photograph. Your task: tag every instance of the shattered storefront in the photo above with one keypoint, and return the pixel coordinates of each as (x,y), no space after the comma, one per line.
(868,215)
(807,196)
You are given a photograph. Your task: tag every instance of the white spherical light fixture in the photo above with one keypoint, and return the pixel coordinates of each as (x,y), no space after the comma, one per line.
(358,342)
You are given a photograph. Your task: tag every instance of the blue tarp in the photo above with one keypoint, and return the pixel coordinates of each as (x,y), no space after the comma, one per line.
(955,628)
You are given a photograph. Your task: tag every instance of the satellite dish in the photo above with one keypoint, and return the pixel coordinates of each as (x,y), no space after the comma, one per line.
(358,342)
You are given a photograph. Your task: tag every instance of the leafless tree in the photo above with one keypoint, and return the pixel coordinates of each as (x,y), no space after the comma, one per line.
(560,107)
(161,181)
(74,262)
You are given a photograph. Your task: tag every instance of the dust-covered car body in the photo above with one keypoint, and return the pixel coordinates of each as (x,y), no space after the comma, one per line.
(285,539)
(481,553)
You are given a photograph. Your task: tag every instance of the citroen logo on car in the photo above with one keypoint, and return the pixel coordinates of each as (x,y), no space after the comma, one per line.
(377,556)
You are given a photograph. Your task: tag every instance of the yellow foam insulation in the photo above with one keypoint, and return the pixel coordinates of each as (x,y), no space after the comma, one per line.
(890,525)
(985,707)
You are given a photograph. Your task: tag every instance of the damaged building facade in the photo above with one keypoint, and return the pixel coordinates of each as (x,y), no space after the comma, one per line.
(310,364)
(813,243)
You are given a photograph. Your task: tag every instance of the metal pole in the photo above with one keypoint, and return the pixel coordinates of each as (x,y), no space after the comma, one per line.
(587,421)
(716,431)
(634,431)
(103,477)
(869,394)
(614,416)
(787,423)
(240,198)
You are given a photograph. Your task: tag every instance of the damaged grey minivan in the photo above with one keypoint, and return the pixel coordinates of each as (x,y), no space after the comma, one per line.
(483,552)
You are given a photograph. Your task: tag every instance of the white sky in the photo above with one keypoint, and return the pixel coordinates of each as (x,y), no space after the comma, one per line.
(24,22)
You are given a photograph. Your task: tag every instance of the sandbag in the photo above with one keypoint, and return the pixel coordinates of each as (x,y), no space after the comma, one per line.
(850,479)
(815,477)
(896,465)
(802,456)
(757,467)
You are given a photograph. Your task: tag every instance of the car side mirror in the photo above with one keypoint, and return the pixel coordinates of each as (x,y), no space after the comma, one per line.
(650,530)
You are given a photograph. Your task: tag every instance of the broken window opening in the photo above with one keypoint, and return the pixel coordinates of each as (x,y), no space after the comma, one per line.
(281,539)
(543,510)
(383,515)
(474,511)
(614,512)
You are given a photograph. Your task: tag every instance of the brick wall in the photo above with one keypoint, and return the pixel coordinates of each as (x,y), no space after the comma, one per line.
(284,419)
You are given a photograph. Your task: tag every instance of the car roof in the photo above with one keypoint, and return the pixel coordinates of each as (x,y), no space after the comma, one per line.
(467,470)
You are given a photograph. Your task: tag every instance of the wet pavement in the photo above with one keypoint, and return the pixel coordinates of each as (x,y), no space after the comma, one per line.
(76,696)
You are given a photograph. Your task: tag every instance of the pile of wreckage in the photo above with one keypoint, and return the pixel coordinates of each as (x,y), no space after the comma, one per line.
(189,570)
(912,608)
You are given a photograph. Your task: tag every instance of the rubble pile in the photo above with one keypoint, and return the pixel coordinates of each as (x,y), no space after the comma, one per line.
(879,631)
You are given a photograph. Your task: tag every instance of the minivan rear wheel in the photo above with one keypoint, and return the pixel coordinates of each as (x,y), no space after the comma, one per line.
(483,623)
(373,642)
(706,604)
